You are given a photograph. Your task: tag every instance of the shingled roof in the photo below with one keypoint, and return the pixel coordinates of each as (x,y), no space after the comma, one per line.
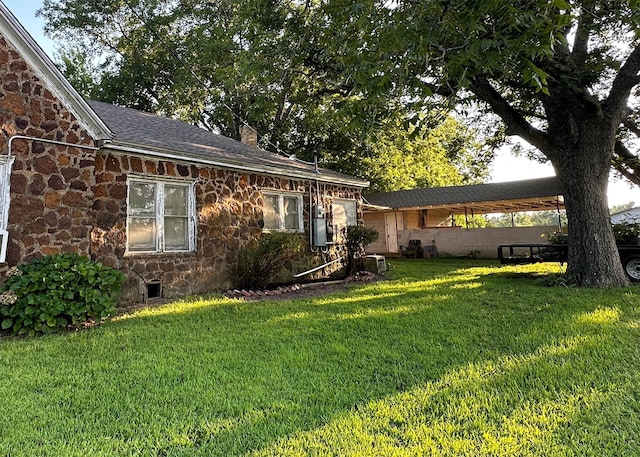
(514,196)
(144,133)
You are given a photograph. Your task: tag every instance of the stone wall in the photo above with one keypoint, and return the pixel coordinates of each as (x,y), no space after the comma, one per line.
(229,213)
(73,199)
(51,185)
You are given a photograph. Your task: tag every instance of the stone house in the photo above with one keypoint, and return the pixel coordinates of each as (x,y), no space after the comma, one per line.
(167,203)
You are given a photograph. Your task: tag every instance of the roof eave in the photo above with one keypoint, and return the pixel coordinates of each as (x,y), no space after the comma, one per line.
(51,75)
(141,150)
(550,202)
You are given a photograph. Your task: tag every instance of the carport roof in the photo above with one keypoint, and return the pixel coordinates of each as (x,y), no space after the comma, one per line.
(503,197)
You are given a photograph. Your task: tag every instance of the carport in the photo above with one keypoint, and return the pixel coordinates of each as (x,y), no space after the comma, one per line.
(425,214)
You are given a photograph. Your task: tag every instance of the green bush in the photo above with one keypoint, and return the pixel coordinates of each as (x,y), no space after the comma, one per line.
(626,233)
(57,291)
(557,237)
(260,262)
(358,237)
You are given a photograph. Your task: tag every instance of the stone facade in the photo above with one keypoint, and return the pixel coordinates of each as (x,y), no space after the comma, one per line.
(51,185)
(68,198)
(229,214)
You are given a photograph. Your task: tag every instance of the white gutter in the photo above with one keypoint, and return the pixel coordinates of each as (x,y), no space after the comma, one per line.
(45,140)
(243,166)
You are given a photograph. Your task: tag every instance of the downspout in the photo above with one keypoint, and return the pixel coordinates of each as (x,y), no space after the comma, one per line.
(304,273)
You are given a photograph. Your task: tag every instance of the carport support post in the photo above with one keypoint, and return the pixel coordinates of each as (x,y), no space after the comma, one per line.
(466,218)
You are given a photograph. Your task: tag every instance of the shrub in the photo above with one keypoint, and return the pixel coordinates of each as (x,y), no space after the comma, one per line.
(626,233)
(57,291)
(557,237)
(260,262)
(358,237)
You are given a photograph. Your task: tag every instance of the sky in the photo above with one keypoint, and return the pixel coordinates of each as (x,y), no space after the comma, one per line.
(506,166)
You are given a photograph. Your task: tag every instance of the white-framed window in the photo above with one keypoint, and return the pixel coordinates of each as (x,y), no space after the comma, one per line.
(160,215)
(283,212)
(6,163)
(344,212)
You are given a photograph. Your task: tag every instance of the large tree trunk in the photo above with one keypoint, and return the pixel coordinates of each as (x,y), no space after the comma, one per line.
(593,256)
(579,140)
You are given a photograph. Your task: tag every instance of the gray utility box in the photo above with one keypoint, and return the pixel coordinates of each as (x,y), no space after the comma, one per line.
(319,231)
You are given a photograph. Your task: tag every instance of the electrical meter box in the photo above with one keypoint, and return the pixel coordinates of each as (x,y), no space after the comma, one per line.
(319,232)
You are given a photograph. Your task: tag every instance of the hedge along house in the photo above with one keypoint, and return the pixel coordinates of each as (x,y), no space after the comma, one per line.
(167,203)
(427,215)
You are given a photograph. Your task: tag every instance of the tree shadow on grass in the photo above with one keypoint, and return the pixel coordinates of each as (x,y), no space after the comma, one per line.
(223,377)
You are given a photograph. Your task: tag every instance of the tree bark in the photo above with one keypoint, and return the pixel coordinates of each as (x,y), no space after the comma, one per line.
(580,142)
(593,256)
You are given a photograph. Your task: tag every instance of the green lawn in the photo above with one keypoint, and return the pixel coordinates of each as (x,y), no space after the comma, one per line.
(444,358)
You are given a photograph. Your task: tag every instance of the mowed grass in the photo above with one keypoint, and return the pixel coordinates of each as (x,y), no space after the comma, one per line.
(451,358)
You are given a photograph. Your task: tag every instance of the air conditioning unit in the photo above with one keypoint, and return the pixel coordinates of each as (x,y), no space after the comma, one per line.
(375,263)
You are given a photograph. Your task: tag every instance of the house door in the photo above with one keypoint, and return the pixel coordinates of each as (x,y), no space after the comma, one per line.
(391,229)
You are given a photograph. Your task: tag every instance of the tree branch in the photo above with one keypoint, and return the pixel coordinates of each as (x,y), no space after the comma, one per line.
(626,163)
(581,42)
(514,120)
(628,77)
(632,126)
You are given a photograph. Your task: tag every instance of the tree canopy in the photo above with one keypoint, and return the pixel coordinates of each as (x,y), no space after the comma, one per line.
(560,74)
(264,63)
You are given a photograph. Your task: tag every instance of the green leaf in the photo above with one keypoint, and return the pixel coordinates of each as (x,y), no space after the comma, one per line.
(7,323)
(561,4)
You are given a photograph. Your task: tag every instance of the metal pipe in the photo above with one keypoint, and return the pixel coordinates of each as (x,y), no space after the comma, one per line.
(4,196)
(304,273)
(311,247)
(45,140)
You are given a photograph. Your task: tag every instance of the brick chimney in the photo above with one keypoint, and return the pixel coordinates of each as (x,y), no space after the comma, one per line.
(248,135)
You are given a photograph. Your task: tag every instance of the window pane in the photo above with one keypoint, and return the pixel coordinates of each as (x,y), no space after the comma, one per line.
(176,233)
(142,199)
(175,200)
(271,211)
(291,220)
(344,213)
(351,213)
(142,234)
